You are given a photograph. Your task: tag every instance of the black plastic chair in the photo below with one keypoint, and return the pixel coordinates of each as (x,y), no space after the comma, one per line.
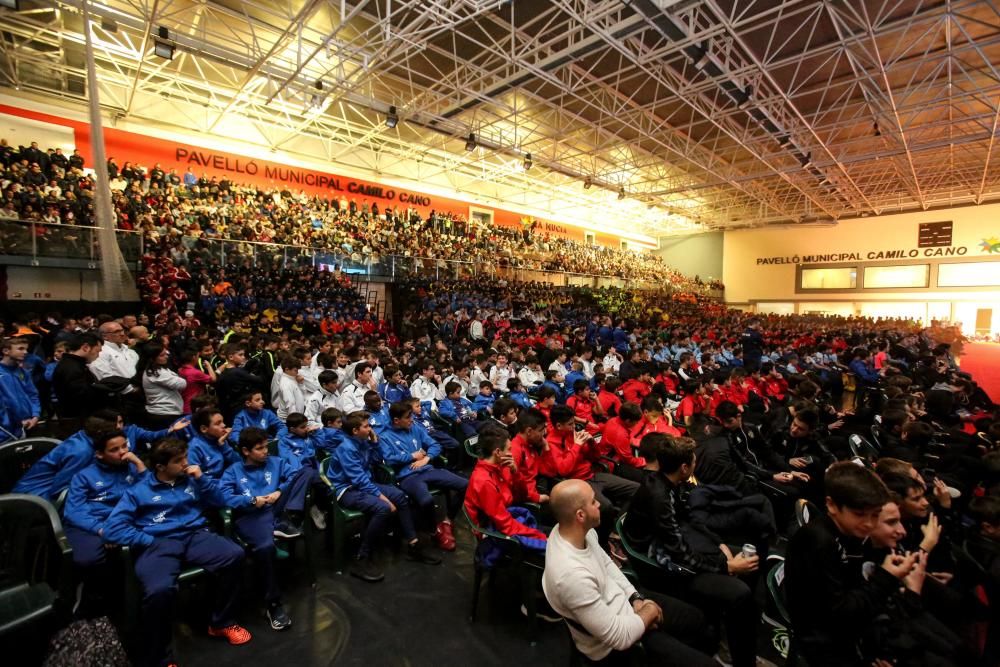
(863,449)
(645,570)
(805,512)
(17,456)
(776,591)
(35,563)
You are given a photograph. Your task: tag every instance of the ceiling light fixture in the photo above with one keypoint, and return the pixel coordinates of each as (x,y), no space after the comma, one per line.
(527,161)
(587,182)
(391,119)
(747,96)
(807,160)
(163,48)
(470,143)
(621,192)
(317,98)
(784,140)
(701,60)
(878,132)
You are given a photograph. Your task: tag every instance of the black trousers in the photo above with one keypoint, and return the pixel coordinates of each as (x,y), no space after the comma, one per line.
(683,639)
(731,600)
(613,493)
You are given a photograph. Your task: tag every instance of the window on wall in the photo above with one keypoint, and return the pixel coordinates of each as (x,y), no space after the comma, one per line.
(909,275)
(839,278)
(969,274)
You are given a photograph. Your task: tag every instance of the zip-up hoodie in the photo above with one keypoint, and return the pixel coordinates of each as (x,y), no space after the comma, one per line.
(153,509)
(243,480)
(397,446)
(211,457)
(265,419)
(53,472)
(351,466)
(95,491)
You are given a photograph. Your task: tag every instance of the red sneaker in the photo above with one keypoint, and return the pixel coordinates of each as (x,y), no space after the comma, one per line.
(235,634)
(444,538)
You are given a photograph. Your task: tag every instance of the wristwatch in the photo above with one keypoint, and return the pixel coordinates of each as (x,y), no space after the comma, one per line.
(636,596)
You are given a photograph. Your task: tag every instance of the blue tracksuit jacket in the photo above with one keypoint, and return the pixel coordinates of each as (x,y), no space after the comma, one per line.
(95,491)
(152,509)
(352,465)
(397,446)
(53,472)
(211,457)
(265,419)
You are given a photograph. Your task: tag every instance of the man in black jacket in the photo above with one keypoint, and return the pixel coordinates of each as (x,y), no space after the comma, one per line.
(831,603)
(72,380)
(654,520)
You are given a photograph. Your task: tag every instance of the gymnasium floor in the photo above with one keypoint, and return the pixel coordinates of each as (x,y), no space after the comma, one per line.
(417,617)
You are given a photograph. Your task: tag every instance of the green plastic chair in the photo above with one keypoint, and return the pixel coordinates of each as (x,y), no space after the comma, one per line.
(775,588)
(527,572)
(338,533)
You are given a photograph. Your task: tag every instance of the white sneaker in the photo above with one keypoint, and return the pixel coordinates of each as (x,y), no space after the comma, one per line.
(318,518)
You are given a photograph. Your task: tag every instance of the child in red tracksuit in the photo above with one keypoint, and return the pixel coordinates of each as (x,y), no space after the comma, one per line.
(774,385)
(616,443)
(525,449)
(588,411)
(493,487)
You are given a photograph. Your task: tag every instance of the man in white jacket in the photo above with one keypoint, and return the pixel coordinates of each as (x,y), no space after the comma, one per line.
(117,359)
(604,611)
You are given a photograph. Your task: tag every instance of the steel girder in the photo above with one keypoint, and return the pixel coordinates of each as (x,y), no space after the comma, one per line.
(720,112)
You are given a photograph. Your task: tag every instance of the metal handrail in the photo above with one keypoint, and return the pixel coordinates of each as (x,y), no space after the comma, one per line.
(391,261)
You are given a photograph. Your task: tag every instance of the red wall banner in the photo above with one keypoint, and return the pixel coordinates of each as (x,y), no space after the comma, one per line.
(240,169)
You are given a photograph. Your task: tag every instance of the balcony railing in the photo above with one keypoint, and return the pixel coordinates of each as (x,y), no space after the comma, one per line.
(25,238)
(45,240)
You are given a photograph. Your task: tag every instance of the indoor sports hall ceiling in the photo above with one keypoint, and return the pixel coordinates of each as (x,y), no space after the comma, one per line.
(671,116)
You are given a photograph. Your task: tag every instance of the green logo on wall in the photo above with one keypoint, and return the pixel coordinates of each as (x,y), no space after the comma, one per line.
(991,245)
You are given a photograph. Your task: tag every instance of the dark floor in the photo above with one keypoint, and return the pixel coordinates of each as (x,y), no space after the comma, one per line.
(418,616)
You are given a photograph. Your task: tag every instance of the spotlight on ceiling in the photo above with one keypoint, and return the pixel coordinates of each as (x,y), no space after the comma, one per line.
(621,192)
(316,99)
(527,161)
(746,98)
(14,5)
(470,143)
(587,182)
(784,140)
(391,119)
(807,160)
(878,132)
(700,59)
(107,25)
(161,47)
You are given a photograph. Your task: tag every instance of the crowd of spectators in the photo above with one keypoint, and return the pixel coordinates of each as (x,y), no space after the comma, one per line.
(174,210)
(844,465)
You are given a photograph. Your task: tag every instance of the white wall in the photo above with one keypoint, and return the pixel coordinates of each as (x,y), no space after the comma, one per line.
(760,265)
(27,283)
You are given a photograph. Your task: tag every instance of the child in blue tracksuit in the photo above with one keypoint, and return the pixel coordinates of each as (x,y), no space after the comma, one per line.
(351,473)
(281,491)
(394,388)
(331,435)
(210,449)
(421,418)
(458,409)
(255,414)
(518,394)
(52,473)
(298,449)
(93,493)
(409,451)
(378,412)
(485,398)
(23,404)
(160,519)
